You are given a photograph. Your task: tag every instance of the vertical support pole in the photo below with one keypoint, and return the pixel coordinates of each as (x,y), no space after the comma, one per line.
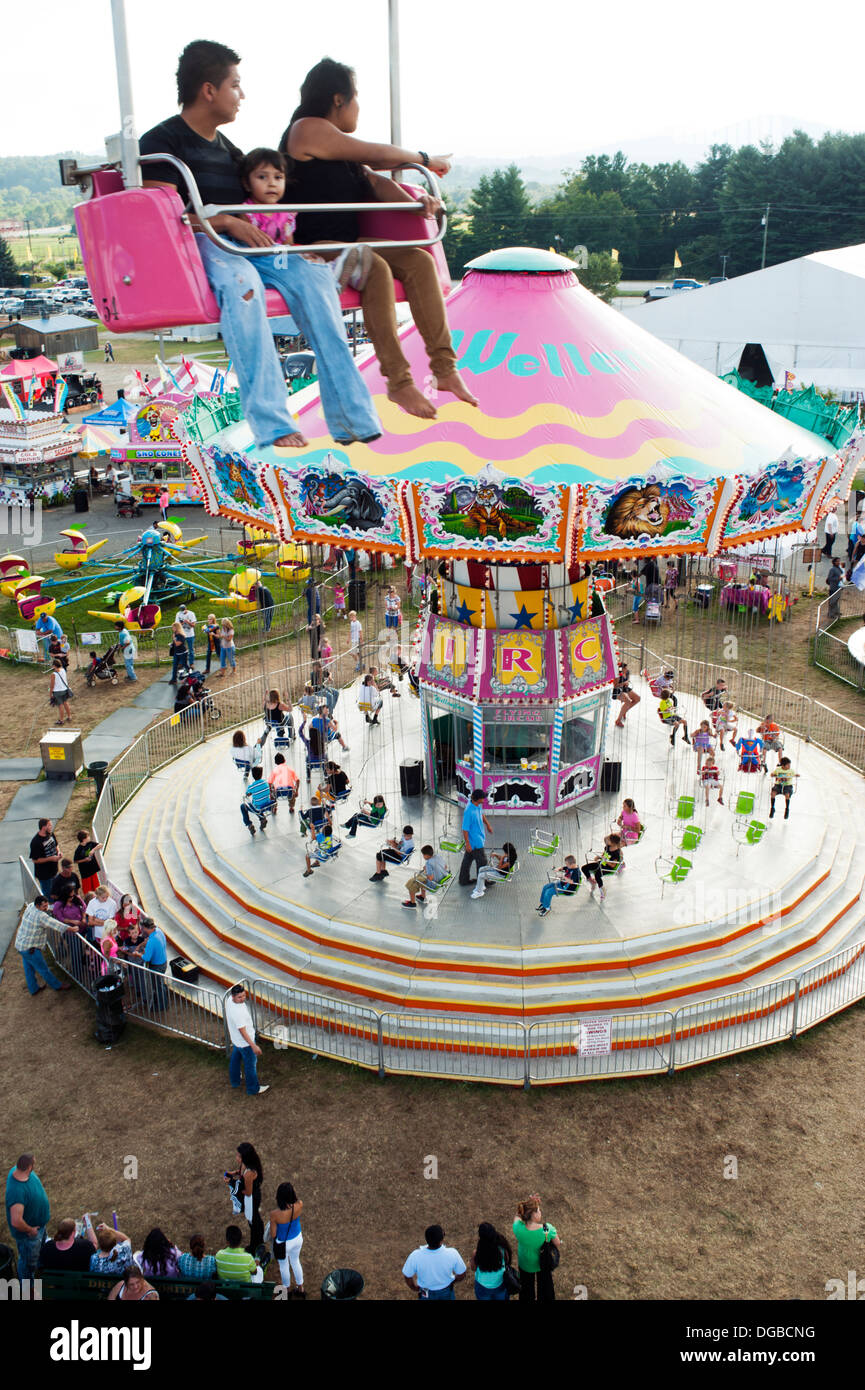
(795,1010)
(128,136)
(478,746)
(393,49)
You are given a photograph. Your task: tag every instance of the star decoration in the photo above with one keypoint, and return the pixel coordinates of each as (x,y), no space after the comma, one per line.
(523,618)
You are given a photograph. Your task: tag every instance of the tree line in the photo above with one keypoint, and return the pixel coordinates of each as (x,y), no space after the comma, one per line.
(711,216)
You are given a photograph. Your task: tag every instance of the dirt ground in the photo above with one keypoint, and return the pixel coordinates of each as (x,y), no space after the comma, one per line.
(631,1173)
(25,714)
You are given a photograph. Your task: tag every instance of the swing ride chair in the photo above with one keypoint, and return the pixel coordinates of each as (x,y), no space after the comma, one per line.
(686,835)
(544,843)
(143,264)
(748,832)
(563,890)
(672,870)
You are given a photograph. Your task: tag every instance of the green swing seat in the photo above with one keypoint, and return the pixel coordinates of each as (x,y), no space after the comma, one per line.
(453,846)
(676,872)
(685,808)
(755,832)
(744,804)
(690,838)
(544,843)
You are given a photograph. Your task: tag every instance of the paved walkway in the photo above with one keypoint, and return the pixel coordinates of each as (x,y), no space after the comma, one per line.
(51,798)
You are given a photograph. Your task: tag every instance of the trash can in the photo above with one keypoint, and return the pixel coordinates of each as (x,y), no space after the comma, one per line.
(411,777)
(357,595)
(98,771)
(62,754)
(110,1018)
(341,1286)
(704,595)
(80,500)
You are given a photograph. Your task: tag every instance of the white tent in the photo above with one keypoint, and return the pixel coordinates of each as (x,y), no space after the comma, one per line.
(808,315)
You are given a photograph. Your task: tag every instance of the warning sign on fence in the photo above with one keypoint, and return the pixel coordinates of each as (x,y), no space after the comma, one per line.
(595,1037)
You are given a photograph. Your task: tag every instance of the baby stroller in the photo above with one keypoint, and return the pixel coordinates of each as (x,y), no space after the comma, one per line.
(192,693)
(101,668)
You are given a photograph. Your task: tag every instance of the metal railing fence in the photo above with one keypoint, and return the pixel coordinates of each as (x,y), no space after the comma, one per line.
(185,1010)
(496,1050)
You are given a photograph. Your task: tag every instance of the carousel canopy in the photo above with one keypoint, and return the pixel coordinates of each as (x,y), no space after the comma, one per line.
(569,391)
(591,439)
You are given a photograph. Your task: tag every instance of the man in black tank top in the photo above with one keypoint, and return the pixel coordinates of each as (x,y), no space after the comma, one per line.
(209,94)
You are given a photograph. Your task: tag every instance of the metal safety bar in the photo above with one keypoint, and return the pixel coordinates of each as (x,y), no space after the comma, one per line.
(71,173)
(205,211)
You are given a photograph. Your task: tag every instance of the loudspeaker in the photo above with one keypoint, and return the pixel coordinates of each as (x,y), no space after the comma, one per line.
(611,776)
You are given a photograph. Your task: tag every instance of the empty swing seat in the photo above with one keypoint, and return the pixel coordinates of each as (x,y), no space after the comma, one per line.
(673,870)
(685,808)
(690,838)
(544,843)
(755,832)
(145,270)
(446,842)
(744,804)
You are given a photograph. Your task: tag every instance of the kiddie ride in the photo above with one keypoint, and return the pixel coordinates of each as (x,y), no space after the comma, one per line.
(149,573)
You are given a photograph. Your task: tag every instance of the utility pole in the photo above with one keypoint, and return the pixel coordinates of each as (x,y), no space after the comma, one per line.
(725,256)
(765,235)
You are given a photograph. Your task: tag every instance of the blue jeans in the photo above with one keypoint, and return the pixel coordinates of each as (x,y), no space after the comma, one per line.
(178,660)
(129,663)
(548,892)
(485,1295)
(438,1294)
(246,1056)
(157,994)
(29,1250)
(190,647)
(310,292)
(35,964)
(248,811)
(226,657)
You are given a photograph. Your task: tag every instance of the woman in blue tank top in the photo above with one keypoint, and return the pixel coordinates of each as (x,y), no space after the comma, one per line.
(287,1237)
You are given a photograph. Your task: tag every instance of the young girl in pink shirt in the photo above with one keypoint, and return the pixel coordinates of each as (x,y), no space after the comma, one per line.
(262,173)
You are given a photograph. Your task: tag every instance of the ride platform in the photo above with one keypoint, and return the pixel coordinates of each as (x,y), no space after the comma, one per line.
(748,914)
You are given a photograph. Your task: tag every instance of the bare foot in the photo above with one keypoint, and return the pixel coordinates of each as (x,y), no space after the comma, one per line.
(290,441)
(413,401)
(457,387)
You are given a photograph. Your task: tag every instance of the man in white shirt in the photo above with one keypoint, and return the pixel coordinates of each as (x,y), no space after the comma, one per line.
(244,1049)
(829,533)
(187,620)
(100,910)
(432,1270)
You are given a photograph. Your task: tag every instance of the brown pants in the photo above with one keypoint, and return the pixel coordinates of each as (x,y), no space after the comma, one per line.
(417,271)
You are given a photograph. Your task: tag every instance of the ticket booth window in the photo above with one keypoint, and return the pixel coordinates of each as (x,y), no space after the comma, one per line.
(578,738)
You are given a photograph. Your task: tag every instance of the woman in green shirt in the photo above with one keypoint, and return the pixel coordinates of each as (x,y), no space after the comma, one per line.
(532,1233)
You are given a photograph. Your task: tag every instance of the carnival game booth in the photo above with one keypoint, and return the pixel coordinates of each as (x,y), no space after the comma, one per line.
(36,453)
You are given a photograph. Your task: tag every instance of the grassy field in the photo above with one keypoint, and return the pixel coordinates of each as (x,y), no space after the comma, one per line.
(46,248)
(140,350)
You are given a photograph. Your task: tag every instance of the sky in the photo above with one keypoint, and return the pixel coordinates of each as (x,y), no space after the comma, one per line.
(502,78)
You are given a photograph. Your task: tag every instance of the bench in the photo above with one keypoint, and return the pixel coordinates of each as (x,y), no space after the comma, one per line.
(60,1285)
